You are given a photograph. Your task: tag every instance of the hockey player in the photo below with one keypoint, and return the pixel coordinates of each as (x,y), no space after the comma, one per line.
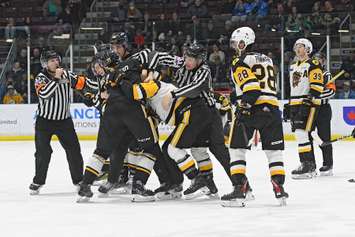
(254,79)
(306,82)
(323,120)
(195,118)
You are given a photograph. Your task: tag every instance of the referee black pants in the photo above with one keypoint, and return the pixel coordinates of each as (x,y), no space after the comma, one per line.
(64,130)
(323,126)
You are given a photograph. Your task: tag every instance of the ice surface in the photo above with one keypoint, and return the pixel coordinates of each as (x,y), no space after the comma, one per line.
(320,207)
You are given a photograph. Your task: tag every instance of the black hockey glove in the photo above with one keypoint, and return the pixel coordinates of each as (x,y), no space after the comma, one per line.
(243,111)
(286,113)
(88,99)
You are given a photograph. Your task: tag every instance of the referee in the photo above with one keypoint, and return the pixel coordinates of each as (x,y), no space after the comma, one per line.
(323,120)
(53,87)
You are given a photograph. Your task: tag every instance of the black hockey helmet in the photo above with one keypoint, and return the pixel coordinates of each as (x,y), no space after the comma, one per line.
(196,50)
(321,57)
(119,38)
(48,54)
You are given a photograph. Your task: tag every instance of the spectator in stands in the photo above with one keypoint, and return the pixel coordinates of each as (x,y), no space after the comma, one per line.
(11,96)
(10,29)
(162,25)
(279,20)
(198,9)
(250,9)
(16,73)
(119,14)
(175,23)
(35,62)
(238,12)
(293,21)
(347,92)
(22,57)
(133,13)
(139,39)
(349,68)
(195,29)
(217,60)
(346,5)
(288,6)
(263,9)
(66,19)
(328,7)
(316,16)
(330,22)
(228,28)
(210,32)
(52,8)
(186,3)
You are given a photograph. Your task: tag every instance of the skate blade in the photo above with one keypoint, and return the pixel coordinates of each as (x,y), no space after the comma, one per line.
(282,201)
(139,198)
(99,182)
(234,203)
(169,196)
(326,173)
(81,199)
(304,176)
(249,196)
(34,192)
(199,193)
(121,191)
(213,196)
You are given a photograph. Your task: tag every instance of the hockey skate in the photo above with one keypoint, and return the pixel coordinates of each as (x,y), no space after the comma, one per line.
(326,170)
(123,186)
(84,193)
(168,192)
(140,193)
(280,193)
(307,170)
(105,189)
(34,188)
(239,196)
(197,188)
(212,188)
(101,180)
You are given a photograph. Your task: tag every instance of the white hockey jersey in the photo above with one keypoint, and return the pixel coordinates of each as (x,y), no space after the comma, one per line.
(306,79)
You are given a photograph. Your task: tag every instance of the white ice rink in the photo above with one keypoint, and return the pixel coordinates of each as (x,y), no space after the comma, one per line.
(324,206)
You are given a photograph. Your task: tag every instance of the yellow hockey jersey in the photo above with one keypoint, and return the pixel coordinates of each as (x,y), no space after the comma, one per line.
(254,78)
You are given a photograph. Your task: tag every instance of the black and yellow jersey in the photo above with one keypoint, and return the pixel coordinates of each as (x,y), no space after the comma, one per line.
(254,78)
(306,79)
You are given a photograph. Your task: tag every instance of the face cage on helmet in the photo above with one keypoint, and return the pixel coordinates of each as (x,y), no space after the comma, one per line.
(235,45)
(307,48)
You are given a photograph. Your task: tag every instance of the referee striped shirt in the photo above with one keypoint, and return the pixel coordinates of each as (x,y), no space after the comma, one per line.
(327,92)
(54,95)
(195,83)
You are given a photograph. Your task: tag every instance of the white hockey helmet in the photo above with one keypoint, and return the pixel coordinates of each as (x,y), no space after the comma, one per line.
(245,34)
(307,44)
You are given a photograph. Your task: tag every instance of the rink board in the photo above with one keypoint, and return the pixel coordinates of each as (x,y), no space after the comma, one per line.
(17,121)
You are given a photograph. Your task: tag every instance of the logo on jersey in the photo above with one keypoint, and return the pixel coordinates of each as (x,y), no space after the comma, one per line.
(296,78)
(349,115)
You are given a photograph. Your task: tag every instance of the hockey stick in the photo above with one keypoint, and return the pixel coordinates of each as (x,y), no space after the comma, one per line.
(339,74)
(338,139)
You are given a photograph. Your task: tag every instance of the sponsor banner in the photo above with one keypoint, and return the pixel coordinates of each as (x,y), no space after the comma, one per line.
(19,120)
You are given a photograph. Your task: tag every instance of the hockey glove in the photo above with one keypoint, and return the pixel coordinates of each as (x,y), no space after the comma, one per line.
(243,111)
(286,113)
(88,99)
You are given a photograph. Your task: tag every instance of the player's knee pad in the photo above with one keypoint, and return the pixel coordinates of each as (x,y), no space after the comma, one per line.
(175,153)
(95,164)
(238,161)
